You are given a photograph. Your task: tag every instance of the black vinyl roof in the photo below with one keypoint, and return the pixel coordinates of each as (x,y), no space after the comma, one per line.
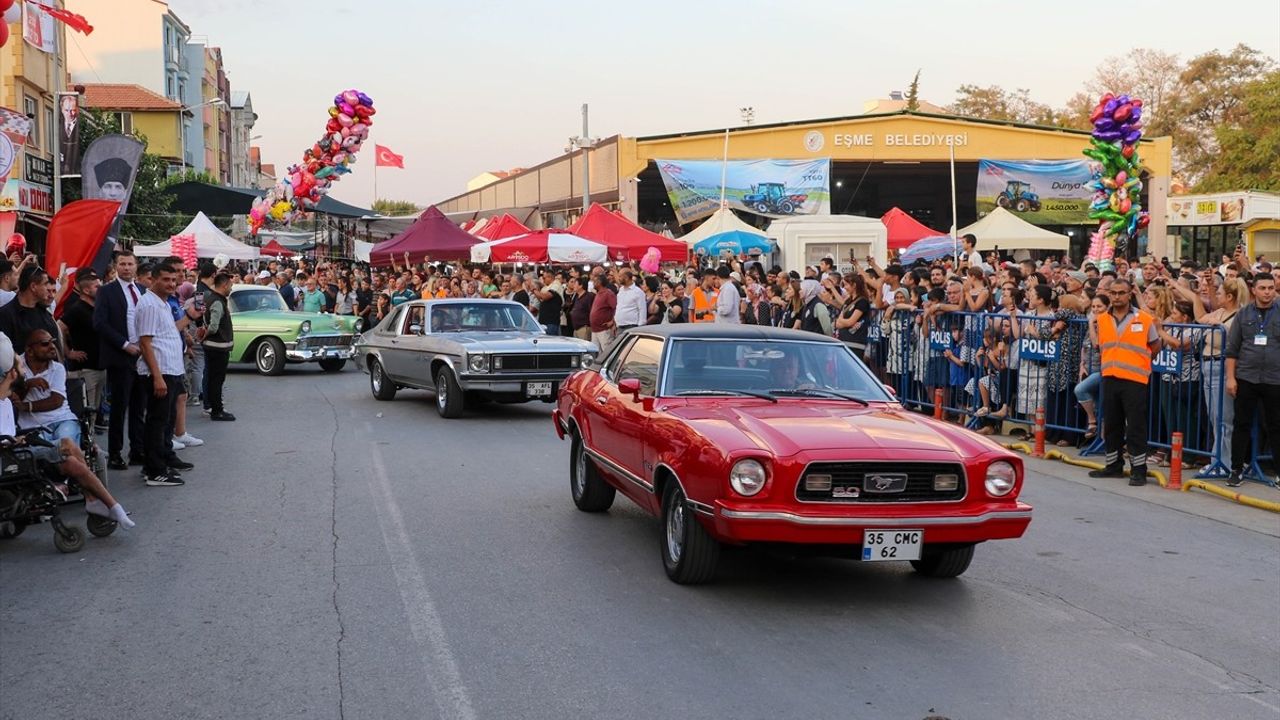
(727,331)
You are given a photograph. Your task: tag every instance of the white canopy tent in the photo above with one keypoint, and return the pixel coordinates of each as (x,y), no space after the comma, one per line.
(210,241)
(1006,231)
(721,221)
(361,249)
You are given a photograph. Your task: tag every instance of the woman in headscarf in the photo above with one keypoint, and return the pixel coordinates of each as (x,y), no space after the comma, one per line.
(814,315)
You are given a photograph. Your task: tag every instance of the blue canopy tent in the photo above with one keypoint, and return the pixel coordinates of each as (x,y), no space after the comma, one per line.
(735,241)
(930,248)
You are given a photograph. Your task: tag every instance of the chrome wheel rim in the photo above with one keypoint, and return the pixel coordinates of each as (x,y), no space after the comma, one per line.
(580,471)
(266,356)
(376,378)
(675,529)
(442,390)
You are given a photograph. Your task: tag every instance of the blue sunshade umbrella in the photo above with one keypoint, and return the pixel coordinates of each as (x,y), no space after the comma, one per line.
(930,248)
(737,241)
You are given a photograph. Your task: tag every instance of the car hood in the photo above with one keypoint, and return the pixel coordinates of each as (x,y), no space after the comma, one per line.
(503,342)
(791,426)
(321,323)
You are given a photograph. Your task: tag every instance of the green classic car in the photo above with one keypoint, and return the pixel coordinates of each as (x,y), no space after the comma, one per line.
(270,335)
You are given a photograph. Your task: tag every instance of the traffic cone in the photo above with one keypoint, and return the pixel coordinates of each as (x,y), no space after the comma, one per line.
(1175,462)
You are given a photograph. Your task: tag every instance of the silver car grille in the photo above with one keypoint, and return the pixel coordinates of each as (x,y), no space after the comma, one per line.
(318,341)
(535,361)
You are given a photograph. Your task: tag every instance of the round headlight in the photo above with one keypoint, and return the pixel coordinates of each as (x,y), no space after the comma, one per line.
(306,327)
(587,358)
(476,363)
(747,477)
(1000,478)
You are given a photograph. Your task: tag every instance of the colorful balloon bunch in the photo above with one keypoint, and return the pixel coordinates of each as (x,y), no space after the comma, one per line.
(1117,128)
(324,163)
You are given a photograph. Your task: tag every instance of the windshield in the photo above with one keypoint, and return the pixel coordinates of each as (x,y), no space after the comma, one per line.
(264,299)
(778,368)
(482,317)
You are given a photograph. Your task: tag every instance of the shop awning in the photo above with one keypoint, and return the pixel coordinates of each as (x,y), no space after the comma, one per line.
(541,246)
(193,197)
(1003,230)
(904,229)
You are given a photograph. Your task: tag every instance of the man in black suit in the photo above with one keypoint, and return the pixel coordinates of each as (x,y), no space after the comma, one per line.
(118,352)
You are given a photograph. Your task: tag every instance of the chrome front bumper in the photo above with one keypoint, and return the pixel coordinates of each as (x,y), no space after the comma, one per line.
(334,352)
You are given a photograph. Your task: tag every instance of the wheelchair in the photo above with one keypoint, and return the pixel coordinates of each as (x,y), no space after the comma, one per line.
(32,491)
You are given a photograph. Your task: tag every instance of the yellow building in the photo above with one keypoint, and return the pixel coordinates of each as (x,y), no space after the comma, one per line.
(878,161)
(29,79)
(141,112)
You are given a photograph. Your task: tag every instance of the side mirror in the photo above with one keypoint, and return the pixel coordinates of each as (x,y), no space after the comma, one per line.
(415,329)
(889,389)
(630,386)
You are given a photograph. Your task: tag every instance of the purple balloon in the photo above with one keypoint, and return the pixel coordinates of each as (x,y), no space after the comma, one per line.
(1104,124)
(1132,136)
(1137,113)
(365,100)
(337,99)
(1110,107)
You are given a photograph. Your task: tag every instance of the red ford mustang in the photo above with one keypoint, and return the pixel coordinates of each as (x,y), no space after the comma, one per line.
(744,434)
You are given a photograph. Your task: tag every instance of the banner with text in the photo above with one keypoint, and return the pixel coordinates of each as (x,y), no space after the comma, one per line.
(776,188)
(1045,192)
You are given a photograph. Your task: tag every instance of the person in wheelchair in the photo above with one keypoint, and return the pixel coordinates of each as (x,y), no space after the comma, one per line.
(65,459)
(43,391)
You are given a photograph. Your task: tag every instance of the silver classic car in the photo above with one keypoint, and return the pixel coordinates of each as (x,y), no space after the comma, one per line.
(468,351)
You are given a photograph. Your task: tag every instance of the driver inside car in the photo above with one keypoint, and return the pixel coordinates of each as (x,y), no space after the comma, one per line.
(786,373)
(67,458)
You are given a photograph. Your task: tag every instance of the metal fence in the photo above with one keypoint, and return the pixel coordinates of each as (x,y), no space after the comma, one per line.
(993,368)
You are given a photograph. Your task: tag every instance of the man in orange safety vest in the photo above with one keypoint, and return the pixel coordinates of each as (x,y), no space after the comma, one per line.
(1127,338)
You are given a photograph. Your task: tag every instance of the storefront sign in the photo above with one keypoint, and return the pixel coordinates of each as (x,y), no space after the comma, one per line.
(38,171)
(27,197)
(1218,209)
(776,188)
(1045,192)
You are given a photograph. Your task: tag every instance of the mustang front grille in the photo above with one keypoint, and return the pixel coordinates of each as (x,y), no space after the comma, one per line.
(324,341)
(880,482)
(534,361)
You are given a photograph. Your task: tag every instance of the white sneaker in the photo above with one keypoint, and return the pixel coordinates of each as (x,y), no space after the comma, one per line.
(178,446)
(189,440)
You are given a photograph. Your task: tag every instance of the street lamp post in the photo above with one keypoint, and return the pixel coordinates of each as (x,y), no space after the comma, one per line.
(584,143)
(182,128)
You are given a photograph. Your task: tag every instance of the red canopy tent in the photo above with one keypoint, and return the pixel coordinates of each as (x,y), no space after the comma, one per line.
(904,229)
(431,237)
(275,248)
(503,227)
(625,238)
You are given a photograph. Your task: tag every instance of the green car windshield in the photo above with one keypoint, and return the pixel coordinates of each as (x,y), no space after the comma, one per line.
(264,299)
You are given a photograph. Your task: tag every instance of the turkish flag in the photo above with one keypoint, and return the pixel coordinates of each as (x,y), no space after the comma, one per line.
(74,236)
(386,158)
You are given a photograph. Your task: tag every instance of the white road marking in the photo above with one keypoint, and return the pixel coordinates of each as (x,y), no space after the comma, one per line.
(449,691)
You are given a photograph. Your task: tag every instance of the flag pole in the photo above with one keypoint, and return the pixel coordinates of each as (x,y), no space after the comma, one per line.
(955,242)
(724,166)
(375,181)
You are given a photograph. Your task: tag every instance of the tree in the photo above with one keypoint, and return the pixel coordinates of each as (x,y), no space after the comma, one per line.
(395,207)
(1248,149)
(1210,96)
(1152,75)
(995,103)
(913,93)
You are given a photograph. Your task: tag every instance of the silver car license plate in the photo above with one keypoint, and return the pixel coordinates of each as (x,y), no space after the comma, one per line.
(538,389)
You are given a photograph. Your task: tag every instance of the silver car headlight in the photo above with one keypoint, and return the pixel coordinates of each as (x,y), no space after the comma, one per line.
(1000,478)
(747,477)
(587,359)
(478,363)
(306,327)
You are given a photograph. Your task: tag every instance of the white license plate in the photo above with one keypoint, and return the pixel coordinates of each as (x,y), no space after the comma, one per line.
(885,545)
(538,389)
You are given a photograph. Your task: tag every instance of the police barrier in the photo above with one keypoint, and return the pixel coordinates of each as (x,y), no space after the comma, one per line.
(1002,367)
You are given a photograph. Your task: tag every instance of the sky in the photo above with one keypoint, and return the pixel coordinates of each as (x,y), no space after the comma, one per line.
(465,87)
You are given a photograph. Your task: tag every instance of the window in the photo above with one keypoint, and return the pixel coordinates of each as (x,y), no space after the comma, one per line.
(31,109)
(124,121)
(641,363)
(414,317)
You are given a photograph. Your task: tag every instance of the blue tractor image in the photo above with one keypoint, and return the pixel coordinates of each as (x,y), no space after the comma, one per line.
(1019,197)
(772,197)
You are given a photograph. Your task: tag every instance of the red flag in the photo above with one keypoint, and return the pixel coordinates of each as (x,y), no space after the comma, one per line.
(72,20)
(386,158)
(75,234)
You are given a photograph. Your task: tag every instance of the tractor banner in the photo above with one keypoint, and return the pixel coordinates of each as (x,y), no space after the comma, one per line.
(1045,192)
(776,188)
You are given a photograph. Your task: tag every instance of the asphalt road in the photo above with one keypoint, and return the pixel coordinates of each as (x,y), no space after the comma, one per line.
(337,557)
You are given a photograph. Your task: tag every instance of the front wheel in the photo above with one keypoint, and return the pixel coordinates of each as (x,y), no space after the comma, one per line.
(787,207)
(98,525)
(689,553)
(948,563)
(591,493)
(449,398)
(333,365)
(269,356)
(67,538)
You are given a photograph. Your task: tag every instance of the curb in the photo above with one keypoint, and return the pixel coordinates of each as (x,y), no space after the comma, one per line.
(1187,485)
